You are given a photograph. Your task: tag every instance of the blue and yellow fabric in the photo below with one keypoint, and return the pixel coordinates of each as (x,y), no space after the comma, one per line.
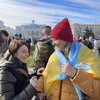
(79,57)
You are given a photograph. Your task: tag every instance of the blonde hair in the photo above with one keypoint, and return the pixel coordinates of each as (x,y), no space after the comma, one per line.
(67,47)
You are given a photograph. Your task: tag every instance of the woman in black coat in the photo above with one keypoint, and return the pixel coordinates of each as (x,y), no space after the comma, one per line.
(15,82)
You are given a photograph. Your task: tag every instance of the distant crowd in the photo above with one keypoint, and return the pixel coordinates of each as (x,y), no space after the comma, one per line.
(5,45)
(93,44)
(19,37)
(89,42)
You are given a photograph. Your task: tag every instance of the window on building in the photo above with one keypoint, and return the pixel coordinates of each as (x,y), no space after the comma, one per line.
(28,33)
(37,33)
(32,33)
(23,33)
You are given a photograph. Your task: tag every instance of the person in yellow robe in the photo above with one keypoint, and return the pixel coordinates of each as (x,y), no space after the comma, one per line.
(72,71)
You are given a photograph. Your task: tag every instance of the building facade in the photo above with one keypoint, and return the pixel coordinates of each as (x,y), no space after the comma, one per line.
(30,31)
(11,31)
(78,29)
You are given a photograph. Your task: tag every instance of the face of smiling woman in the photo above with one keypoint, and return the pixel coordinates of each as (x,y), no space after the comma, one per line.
(59,44)
(22,54)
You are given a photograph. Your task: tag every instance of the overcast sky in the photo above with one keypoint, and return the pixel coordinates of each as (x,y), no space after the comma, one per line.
(49,12)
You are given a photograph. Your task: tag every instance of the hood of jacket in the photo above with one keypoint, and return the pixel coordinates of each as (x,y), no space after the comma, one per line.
(10,61)
(45,40)
(1,39)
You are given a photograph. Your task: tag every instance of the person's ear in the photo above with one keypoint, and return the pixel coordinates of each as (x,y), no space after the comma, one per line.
(42,34)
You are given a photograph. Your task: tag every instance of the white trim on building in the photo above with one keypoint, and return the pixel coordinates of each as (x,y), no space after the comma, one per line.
(11,31)
(30,31)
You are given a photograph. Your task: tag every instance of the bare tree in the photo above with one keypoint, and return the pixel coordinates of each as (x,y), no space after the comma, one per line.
(95,29)
(78,30)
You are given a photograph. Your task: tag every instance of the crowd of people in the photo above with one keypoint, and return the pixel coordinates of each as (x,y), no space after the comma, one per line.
(89,42)
(5,45)
(93,44)
(64,68)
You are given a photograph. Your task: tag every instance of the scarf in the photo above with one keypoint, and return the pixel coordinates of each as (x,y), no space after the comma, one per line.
(79,57)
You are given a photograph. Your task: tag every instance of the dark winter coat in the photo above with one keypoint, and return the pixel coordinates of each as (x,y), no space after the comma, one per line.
(10,89)
(90,46)
(97,49)
(85,42)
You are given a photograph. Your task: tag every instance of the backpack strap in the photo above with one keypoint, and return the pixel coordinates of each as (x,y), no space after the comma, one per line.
(14,72)
(21,70)
(21,79)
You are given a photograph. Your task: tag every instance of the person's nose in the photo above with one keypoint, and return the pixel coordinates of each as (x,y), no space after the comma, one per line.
(53,42)
(27,54)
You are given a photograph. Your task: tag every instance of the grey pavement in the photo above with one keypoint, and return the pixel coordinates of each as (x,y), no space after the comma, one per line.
(30,70)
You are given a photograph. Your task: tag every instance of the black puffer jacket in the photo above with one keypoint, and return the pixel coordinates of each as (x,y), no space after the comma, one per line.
(9,88)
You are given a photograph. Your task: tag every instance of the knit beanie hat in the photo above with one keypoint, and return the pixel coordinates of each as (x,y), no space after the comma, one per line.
(62,31)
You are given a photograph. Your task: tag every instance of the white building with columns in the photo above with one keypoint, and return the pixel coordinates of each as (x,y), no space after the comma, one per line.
(30,31)
(11,31)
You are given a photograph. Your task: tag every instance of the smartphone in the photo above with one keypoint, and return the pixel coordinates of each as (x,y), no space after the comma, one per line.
(44,98)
